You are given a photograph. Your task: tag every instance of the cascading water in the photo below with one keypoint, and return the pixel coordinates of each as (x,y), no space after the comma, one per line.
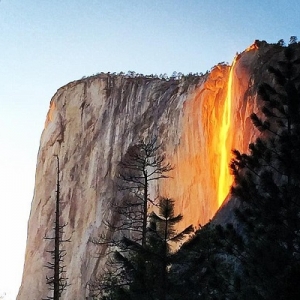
(225,178)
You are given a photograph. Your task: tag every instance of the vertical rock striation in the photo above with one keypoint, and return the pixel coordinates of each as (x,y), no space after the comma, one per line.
(90,125)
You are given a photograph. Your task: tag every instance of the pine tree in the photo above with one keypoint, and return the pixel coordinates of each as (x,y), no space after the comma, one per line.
(267,182)
(200,269)
(145,268)
(163,236)
(142,165)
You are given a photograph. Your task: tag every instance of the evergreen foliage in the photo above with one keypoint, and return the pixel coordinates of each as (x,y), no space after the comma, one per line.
(163,236)
(267,182)
(200,269)
(142,165)
(144,270)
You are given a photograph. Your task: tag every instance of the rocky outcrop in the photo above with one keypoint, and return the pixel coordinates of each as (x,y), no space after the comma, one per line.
(91,124)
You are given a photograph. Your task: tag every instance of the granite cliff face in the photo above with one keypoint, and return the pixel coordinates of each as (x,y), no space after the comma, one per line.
(91,124)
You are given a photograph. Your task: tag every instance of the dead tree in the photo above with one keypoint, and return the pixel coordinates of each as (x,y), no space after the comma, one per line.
(142,165)
(58,281)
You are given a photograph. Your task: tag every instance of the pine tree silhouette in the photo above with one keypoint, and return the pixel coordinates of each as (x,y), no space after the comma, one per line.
(267,182)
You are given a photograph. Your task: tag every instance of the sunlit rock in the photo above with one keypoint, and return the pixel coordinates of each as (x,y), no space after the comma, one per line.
(90,125)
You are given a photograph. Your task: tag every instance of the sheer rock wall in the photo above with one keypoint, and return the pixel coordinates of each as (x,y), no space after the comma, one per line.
(90,125)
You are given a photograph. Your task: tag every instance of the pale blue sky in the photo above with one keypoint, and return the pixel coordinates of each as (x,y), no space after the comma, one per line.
(46,44)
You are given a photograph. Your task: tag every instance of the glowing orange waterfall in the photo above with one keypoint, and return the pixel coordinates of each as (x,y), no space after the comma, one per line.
(201,179)
(225,179)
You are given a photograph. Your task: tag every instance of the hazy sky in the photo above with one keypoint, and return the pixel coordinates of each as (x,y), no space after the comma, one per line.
(46,44)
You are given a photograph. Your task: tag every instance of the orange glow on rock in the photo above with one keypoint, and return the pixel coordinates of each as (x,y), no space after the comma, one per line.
(49,117)
(215,120)
(252,47)
(196,155)
(225,179)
